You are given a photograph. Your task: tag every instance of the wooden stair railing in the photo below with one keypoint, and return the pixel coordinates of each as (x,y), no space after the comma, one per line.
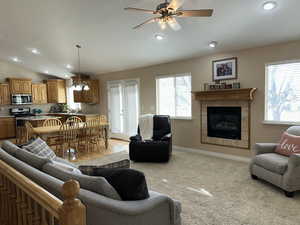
(23,202)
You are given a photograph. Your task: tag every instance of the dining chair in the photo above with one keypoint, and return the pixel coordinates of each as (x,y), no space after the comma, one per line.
(53,140)
(69,139)
(28,132)
(74,119)
(93,133)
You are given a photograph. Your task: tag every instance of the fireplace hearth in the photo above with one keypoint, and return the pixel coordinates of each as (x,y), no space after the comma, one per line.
(224,122)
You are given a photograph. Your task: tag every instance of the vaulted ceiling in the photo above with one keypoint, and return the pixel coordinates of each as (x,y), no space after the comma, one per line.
(109,43)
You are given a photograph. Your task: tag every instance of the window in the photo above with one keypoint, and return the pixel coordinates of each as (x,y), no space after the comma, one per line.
(283,92)
(70,99)
(173,95)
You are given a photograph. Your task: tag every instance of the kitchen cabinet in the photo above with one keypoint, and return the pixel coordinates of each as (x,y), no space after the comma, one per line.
(20,86)
(4,94)
(90,96)
(8,127)
(56,90)
(39,93)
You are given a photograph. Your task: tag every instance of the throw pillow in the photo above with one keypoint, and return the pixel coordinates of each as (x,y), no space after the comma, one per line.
(130,184)
(288,145)
(40,148)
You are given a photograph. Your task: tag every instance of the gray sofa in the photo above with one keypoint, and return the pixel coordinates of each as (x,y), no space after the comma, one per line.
(277,169)
(101,210)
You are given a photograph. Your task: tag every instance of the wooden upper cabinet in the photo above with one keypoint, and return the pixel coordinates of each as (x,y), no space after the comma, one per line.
(4,94)
(90,96)
(20,86)
(39,93)
(56,90)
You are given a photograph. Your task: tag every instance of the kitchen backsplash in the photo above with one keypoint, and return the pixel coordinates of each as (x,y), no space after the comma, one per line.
(4,110)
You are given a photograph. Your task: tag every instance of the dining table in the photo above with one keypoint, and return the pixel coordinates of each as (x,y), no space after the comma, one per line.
(44,131)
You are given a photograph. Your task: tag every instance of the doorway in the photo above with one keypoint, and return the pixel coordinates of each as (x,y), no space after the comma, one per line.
(123,107)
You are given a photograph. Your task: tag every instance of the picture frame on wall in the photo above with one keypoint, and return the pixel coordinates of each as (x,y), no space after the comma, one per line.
(224,69)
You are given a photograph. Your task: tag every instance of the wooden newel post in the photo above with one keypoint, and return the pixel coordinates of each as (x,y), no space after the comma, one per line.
(72,211)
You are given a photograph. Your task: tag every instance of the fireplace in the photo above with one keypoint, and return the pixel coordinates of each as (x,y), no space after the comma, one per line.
(224,122)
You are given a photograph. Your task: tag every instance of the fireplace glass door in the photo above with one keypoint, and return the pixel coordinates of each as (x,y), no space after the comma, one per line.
(224,122)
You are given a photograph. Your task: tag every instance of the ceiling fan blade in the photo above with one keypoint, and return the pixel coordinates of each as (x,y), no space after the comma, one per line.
(140,10)
(152,20)
(172,22)
(195,13)
(175,4)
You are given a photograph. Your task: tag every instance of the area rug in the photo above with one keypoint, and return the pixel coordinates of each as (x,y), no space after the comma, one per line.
(216,191)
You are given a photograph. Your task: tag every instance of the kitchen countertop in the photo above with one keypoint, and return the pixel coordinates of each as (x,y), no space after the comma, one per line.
(6,116)
(37,118)
(73,114)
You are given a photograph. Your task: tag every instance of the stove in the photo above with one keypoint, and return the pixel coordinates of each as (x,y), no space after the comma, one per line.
(20,114)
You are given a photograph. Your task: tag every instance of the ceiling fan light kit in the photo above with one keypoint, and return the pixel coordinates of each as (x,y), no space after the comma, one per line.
(167,11)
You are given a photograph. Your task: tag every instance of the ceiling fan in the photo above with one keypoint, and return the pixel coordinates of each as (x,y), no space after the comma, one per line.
(166,13)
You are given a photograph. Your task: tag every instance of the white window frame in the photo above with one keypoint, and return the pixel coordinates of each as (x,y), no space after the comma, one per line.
(157,94)
(273,122)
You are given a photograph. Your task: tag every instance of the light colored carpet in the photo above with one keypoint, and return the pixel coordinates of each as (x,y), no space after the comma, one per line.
(215,191)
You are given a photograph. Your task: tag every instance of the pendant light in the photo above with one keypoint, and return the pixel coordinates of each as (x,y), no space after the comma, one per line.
(79,81)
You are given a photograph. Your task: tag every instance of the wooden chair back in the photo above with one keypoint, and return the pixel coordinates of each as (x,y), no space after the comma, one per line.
(69,132)
(23,202)
(103,118)
(52,123)
(29,131)
(74,119)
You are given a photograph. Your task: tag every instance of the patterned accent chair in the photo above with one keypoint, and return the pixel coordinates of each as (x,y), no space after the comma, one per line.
(277,169)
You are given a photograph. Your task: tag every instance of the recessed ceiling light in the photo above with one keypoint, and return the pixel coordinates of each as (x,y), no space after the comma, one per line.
(69,66)
(15,59)
(46,71)
(35,51)
(213,44)
(269,5)
(66,76)
(159,37)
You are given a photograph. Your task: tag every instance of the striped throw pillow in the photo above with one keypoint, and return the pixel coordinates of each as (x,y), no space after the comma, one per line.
(40,148)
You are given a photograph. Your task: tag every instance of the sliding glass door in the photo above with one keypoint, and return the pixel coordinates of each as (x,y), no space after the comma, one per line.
(123,107)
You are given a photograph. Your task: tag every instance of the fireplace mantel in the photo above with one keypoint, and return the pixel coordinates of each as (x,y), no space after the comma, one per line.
(243,94)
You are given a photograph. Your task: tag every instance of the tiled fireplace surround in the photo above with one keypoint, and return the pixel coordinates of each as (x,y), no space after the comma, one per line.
(227,98)
(245,125)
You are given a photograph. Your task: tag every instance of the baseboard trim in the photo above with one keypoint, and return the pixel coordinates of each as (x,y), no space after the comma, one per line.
(215,154)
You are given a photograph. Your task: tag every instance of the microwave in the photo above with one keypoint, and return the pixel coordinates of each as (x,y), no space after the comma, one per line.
(21,99)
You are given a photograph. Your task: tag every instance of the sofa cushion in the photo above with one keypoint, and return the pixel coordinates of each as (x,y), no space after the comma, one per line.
(289,144)
(66,167)
(95,184)
(10,147)
(273,162)
(61,160)
(40,148)
(32,159)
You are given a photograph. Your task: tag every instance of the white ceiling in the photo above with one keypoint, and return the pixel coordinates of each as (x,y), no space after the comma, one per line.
(104,30)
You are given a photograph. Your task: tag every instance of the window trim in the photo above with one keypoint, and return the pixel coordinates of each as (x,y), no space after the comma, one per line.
(275,122)
(157,94)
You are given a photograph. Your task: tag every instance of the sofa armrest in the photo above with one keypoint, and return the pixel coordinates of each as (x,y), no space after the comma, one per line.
(262,148)
(132,208)
(294,161)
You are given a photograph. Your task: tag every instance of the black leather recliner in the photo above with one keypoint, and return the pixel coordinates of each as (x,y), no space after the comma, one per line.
(159,148)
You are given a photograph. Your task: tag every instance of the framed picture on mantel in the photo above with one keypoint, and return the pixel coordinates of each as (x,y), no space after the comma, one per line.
(225,69)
